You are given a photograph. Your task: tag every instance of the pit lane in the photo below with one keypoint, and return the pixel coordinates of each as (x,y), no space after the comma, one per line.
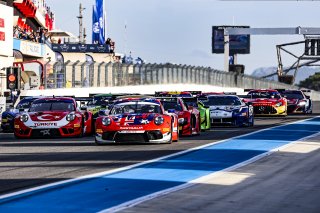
(29,163)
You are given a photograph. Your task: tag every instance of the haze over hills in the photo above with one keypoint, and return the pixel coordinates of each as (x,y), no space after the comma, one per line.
(303,72)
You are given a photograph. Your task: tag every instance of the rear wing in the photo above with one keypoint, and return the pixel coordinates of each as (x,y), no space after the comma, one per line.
(167,98)
(112,95)
(244,96)
(230,93)
(134,96)
(190,99)
(247,90)
(162,94)
(280,90)
(83,99)
(195,92)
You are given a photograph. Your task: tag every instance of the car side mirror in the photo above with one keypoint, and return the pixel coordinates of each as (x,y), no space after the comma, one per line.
(84,108)
(307,96)
(21,110)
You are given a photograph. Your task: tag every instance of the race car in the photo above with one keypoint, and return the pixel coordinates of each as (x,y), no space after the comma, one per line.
(189,116)
(53,117)
(229,109)
(203,110)
(7,117)
(173,94)
(137,120)
(266,102)
(99,102)
(298,102)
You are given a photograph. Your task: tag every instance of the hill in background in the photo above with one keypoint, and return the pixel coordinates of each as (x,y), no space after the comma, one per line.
(303,73)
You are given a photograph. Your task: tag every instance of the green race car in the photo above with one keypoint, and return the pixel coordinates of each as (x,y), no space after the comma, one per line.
(100,102)
(203,109)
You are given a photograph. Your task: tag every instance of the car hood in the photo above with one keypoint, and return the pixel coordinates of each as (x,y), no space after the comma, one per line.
(48,115)
(262,100)
(225,108)
(134,119)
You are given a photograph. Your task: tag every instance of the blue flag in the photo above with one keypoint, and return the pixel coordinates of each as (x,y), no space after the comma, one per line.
(95,26)
(101,18)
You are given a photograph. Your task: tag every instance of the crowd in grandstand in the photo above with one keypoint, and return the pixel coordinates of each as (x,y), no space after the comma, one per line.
(39,36)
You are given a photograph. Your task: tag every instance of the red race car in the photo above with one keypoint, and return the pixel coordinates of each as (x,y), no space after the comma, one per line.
(298,101)
(266,102)
(189,117)
(53,117)
(137,120)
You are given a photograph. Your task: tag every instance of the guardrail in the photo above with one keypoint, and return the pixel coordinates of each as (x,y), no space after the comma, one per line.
(91,74)
(86,74)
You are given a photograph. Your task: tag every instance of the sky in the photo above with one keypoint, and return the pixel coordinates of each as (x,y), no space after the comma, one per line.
(179,31)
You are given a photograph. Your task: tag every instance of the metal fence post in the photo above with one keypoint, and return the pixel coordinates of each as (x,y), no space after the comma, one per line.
(45,73)
(82,83)
(73,75)
(99,74)
(106,73)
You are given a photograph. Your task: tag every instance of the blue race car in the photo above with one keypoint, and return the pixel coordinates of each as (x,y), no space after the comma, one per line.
(7,117)
(229,109)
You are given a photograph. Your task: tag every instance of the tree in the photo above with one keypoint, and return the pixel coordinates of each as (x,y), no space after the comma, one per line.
(312,82)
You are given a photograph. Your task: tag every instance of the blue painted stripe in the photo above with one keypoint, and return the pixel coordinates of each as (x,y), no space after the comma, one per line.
(99,193)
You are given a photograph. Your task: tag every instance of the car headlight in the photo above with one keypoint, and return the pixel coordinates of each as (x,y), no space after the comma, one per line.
(106,121)
(24,118)
(279,104)
(71,116)
(302,103)
(158,120)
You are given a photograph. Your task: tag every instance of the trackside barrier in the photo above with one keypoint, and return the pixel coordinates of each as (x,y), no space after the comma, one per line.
(93,74)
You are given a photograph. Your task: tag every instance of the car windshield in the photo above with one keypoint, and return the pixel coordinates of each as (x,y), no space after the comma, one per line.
(98,101)
(293,94)
(52,105)
(264,94)
(171,105)
(135,107)
(24,104)
(184,95)
(190,102)
(222,101)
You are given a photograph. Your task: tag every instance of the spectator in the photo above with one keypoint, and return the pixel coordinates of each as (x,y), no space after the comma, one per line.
(110,44)
(26,34)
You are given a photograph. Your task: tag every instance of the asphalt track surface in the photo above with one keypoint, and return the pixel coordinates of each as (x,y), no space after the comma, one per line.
(30,163)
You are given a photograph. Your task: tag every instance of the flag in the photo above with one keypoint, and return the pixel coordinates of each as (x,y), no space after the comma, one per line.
(95,26)
(101,18)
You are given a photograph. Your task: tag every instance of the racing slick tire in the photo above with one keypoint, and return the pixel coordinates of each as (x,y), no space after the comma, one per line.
(250,122)
(199,126)
(205,122)
(82,131)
